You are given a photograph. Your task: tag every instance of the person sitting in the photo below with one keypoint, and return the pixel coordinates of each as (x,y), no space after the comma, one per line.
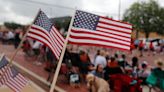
(99,71)
(156,78)
(144,72)
(112,68)
(122,61)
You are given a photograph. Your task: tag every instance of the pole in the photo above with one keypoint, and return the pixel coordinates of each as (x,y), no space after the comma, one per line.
(20,44)
(119,9)
(62,55)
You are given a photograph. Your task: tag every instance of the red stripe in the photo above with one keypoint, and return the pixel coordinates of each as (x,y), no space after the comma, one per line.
(12,86)
(45,44)
(62,39)
(90,38)
(58,33)
(43,38)
(35,28)
(91,44)
(59,44)
(12,80)
(57,37)
(113,29)
(90,32)
(22,79)
(115,20)
(107,23)
(56,42)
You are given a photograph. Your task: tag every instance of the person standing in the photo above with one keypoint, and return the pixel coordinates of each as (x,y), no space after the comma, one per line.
(100,59)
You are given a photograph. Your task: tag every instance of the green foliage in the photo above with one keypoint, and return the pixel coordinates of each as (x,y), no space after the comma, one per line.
(12,25)
(146,16)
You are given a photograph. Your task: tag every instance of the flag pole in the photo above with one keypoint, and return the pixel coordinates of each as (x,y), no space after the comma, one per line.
(20,44)
(62,55)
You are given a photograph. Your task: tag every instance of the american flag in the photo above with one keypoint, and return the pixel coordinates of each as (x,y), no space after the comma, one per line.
(91,29)
(10,77)
(43,30)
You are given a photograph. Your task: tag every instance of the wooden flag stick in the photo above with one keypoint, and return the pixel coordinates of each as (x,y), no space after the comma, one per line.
(61,57)
(20,44)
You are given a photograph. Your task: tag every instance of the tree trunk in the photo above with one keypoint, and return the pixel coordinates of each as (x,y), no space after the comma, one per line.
(147,34)
(137,33)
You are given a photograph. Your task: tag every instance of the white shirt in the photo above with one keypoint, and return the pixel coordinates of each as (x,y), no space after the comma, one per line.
(10,35)
(36,45)
(100,60)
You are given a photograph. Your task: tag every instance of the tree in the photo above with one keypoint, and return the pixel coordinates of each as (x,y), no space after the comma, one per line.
(12,25)
(146,16)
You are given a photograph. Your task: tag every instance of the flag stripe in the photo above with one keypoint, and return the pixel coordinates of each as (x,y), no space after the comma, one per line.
(111,29)
(115,22)
(87,41)
(113,32)
(14,81)
(8,80)
(99,39)
(96,44)
(117,27)
(60,36)
(57,42)
(41,34)
(39,38)
(45,38)
(40,31)
(97,33)
(43,29)
(57,37)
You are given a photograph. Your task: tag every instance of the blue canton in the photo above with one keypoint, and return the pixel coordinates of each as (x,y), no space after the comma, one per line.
(3,62)
(14,72)
(85,20)
(43,21)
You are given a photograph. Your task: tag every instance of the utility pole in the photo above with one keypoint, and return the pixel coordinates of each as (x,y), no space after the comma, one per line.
(119,9)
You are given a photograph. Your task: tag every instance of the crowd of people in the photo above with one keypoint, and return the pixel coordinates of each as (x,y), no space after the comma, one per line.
(103,65)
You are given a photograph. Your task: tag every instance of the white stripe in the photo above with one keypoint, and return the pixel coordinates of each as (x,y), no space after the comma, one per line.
(57,38)
(114,27)
(45,41)
(57,32)
(22,77)
(115,23)
(114,32)
(12,87)
(40,33)
(5,73)
(98,42)
(52,30)
(15,83)
(56,41)
(11,79)
(101,33)
(44,35)
(99,37)
(21,81)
